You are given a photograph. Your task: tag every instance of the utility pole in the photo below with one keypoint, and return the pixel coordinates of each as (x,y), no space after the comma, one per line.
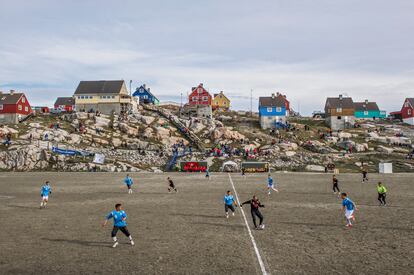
(181,104)
(251,102)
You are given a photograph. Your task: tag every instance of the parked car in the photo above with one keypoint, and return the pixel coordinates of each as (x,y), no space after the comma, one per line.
(57,111)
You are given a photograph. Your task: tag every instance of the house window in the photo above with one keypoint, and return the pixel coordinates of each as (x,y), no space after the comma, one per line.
(278,109)
(141,90)
(145,97)
(194,98)
(365,113)
(113,96)
(269,110)
(409,111)
(23,100)
(339,117)
(200,90)
(339,110)
(1,107)
(26,109)
(19,107)
(205,98)
(406,104)
(90,97)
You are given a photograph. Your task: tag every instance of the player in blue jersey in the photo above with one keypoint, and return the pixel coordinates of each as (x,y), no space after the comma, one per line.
(45,191)
(349,207)
(270,185)
(129,182)
(207,174)
(119,216)
(229,203)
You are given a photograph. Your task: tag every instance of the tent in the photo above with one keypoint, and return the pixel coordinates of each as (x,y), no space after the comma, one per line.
(230,166)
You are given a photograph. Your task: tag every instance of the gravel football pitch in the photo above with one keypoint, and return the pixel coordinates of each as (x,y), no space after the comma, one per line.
(187,233)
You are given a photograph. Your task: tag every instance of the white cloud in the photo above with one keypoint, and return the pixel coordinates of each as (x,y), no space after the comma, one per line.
(308,51)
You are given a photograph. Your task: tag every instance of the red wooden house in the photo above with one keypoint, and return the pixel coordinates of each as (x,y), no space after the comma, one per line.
(199,96)
(13,107)
(407,111)
(65,103)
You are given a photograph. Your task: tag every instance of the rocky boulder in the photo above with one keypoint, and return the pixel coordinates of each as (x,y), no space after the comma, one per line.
(130,131)
(384,149)
(226,133)
(147,119)
(102,122)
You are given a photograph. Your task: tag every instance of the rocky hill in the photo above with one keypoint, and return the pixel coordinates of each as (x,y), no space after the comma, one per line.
(148,140)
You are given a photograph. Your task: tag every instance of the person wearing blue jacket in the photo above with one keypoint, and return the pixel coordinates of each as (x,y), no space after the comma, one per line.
(45,191)
(119,216)
(129,182)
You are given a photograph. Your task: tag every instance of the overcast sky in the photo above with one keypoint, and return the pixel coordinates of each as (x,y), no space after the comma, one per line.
(306,49)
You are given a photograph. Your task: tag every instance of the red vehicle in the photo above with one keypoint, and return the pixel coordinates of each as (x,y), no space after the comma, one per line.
(193,166)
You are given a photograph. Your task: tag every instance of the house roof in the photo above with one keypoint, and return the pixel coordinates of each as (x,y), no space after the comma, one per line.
(65,101)
(221,94)
(146,89)
(411,100)
(362,106)
(336,102)
(275,101)
(99,87)
(10,98)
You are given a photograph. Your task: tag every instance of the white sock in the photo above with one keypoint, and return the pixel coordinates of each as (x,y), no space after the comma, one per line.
(130,237)
(114,239)
(41,204)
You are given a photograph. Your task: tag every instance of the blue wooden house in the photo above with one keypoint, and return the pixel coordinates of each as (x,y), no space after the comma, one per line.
(273,111)
(145,95)
(368,110)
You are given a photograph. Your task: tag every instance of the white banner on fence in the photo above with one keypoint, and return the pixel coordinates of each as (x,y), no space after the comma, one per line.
(99,159)
(44,144)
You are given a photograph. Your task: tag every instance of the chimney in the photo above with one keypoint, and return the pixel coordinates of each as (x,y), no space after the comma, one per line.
(340,97)
(144,86)
(201,84)
(12,92)
(366,101)
(149,89)
(273,96)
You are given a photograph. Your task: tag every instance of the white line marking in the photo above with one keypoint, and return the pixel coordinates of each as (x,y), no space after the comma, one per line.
(256,249)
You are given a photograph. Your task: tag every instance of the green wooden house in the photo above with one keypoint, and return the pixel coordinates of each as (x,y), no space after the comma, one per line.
(368,110)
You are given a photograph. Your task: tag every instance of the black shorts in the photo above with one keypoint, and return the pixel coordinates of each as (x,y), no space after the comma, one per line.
(227,207)
(129,186)
(172,186)
(123,229)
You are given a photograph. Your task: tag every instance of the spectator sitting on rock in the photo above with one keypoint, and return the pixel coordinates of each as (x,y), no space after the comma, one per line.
(7,141)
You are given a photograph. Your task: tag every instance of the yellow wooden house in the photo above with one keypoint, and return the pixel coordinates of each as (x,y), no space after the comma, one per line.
(105,96)
(220,102)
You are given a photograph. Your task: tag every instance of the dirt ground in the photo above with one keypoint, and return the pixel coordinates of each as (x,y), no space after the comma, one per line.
(187,233)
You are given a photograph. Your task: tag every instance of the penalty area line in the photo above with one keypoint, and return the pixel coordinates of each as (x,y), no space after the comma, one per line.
(256,249)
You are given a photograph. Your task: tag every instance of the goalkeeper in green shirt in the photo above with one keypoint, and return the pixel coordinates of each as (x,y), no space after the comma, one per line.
(382,193)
